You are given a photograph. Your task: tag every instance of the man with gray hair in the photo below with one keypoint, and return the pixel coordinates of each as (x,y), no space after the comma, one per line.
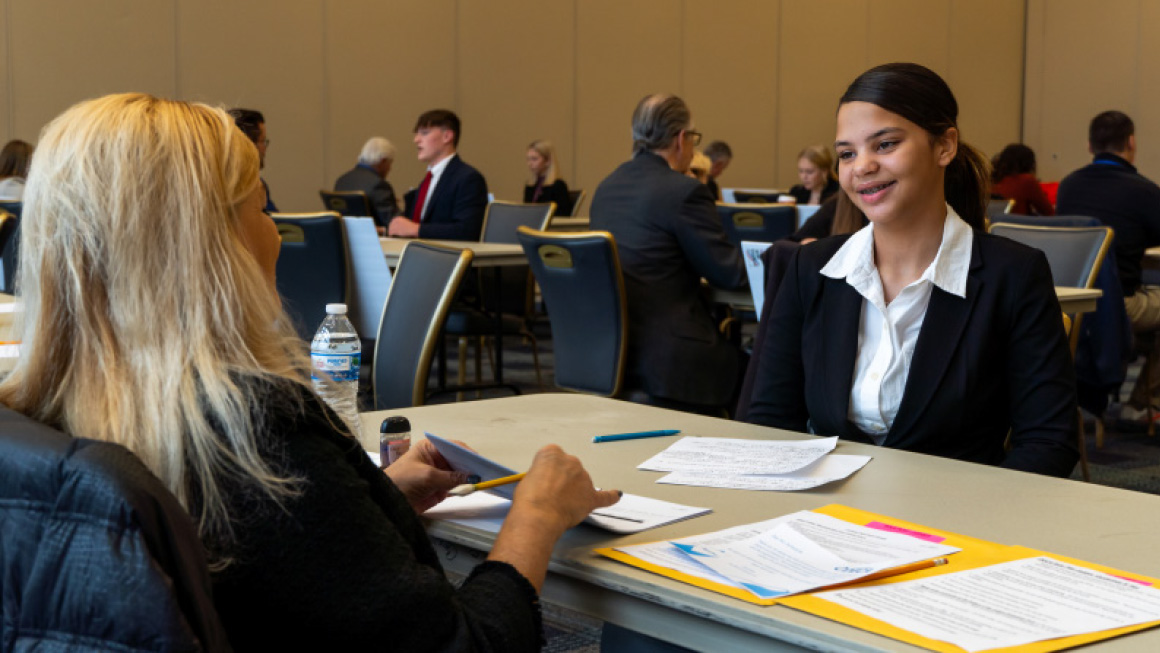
(370,176)
(669,237)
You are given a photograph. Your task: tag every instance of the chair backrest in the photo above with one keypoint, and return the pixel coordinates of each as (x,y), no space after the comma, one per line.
(998,207)
(353,203)
(15,207)
(763,223)
(1075,254)
(100,554)
(10,251)
(577,195)
(312,266)
(425,282)
(1047,221)
(503,218)
(755,196)
(582,285)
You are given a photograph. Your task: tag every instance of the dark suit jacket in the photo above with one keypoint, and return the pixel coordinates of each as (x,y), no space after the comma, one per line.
(802,196)
(668,237)
(378,191)
(455,210)
(994,361)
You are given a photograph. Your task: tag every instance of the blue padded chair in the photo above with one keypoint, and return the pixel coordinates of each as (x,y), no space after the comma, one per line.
(353,203)
(95,552)
(577,195)
(581,281)
(997,207)
(10,248)
(426,280)
(757,197)
(763,223)
(312,267)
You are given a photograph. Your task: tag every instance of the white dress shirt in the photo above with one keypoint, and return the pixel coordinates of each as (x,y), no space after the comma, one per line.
(436,172)
(888,333)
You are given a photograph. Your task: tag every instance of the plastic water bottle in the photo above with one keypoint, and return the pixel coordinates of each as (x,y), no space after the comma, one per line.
(336,352)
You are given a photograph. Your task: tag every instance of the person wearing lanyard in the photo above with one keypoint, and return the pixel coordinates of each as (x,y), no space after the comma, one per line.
(920,331)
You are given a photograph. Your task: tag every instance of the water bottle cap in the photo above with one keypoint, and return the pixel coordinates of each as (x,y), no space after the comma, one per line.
(395,424)
(336,309)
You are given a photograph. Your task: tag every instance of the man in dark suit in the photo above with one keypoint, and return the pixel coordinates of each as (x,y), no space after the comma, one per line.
(370,177)
(669,237)
(452,198)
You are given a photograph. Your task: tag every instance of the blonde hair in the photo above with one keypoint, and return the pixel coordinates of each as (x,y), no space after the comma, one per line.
(822,157)
(147,322)
(545,149)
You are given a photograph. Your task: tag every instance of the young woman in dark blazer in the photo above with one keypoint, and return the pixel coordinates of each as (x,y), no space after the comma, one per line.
(544,185)
(919,332)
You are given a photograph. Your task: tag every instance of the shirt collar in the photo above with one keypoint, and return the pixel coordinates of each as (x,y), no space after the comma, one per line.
(854,260)
(438,168)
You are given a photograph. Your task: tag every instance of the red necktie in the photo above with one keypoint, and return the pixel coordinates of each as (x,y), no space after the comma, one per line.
(422,199)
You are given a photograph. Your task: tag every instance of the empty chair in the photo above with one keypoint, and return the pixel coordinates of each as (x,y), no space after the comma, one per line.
(767,196)
(1047,221)
(502,219)
(426,280)
(578,196)
(10,246)
(312,267)
(95,552)
(351,203)
(15,207)
(998,207)
(763,223)
(581,281)
(1075,254)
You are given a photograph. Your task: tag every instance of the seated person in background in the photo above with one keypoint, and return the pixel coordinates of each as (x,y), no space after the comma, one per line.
(14,161)
(312,547)
(545,186)
(699,168)
(1014,179)
(669,237)
(370,176)
(253,125)
(920,332)
(452,198)
(836,217)
(1113,191)
(720,156)
(815,168)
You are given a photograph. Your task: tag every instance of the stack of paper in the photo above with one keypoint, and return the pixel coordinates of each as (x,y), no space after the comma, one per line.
(753,464)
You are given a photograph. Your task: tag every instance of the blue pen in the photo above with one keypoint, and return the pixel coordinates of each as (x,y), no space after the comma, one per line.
(634,436)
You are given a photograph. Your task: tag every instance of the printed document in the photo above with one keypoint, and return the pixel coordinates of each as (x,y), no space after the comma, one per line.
(833,467)
(1008,604)
(729,456)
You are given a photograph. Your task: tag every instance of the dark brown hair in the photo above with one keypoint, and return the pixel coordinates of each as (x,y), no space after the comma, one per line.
(14,159)
(441,118)
(1110,131)
(1015,159)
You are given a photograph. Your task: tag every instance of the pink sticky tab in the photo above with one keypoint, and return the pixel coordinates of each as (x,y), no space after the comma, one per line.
(1132,580)
(905,531)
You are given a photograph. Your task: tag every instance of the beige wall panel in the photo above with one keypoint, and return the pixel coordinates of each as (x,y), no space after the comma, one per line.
(378,87)
(1034,60)
(516,63)
(6,96)
(618,62)
(987,80)
(265,55)
(1146,113)
(61,52)
(908,30)
(1089,65)
(822,46)
(730,75)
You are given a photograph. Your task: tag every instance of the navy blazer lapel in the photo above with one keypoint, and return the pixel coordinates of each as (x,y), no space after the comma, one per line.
(938,342)
(445,181)
(841,317)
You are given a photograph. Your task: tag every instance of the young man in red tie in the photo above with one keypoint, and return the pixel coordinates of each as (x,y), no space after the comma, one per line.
(452,198)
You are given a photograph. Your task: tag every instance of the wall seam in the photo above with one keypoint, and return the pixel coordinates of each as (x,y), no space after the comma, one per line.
(777,118)
(1023,74)
(576,96)
(326,131)
(11,81)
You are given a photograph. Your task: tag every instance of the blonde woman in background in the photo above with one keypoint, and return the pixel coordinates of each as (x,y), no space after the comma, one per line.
(815,168)
(146,250)
(544,184)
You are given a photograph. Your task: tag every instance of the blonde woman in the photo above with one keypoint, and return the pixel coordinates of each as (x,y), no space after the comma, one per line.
(151,320)
(815,168)
(544,185)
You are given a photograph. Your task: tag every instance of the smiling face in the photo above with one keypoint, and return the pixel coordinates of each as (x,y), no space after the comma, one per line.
(890,167)
(812,177)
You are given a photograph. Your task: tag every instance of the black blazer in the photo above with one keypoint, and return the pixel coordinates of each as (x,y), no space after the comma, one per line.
(378,190)
(802,196)
(455,210)
(995,361)
(556,192)
(668,237)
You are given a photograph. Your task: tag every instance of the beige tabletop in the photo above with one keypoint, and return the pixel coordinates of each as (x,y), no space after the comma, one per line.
(1071,300)
(1090,522)
(570,224)
(486,254)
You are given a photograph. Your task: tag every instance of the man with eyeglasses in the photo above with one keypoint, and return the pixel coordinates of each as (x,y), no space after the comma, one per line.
(668,237)
(253,125)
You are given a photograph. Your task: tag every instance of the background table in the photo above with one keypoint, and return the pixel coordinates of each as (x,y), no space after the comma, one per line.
(1095,523)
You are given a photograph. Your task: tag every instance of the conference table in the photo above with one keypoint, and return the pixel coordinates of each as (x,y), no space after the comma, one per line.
(1071,300)
(1089,522)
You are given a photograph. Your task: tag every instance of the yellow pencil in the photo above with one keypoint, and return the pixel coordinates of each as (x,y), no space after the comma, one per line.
(468,488)
(894,571)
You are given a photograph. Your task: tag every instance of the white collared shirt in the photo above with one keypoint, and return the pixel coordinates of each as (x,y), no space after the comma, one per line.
(888,333)
(436,172)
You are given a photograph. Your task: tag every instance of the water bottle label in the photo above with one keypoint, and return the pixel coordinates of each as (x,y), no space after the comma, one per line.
(340,367)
